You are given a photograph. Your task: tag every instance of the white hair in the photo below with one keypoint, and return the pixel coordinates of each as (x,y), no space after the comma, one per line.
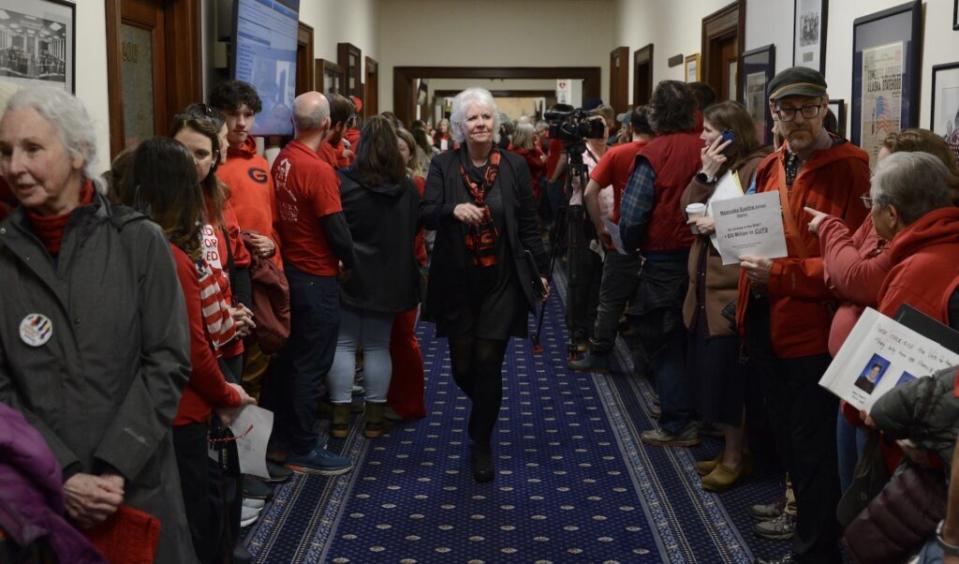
(67,114)
(463,102)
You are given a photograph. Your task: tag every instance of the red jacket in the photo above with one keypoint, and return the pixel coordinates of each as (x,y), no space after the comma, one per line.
(831,181)
(675,159)
(207,388)
(536,161)
(855,266)
(925,256)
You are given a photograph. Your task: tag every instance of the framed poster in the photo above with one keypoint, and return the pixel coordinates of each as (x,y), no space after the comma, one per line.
(692,68)
(39,41)
(328,77)
(809,34)
(759,67)
(838,108)
(945,104)
(885,74)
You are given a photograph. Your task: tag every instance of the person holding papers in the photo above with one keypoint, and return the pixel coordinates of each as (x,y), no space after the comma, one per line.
(784,306)
(730,157)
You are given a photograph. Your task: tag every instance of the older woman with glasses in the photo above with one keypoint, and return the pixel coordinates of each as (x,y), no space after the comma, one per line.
(479,201)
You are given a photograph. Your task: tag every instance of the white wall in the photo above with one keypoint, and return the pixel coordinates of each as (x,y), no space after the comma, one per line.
(672,26)
(501,33)
(342,21)
(91,72)
(940,41)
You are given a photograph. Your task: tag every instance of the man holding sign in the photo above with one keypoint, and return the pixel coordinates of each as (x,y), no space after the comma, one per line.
(784,305)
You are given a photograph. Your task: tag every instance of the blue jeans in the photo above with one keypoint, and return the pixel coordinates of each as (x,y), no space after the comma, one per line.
(315,320)
(371,331)
(850,443)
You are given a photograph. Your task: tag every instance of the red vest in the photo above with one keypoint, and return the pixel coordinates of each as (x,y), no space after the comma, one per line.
(675,159)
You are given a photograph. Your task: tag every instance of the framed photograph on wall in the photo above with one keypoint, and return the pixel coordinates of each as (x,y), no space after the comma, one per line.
(809,34)
(759,67)
(692,67)
(838,108)
(885,74)
(39,43)
(944,120)
(955,14)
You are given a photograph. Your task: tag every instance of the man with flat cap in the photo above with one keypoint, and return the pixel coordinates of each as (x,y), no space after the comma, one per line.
(785,307)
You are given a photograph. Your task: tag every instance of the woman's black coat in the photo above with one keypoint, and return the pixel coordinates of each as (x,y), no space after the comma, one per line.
(444,191)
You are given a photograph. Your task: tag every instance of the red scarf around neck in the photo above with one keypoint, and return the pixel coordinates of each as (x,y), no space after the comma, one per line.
(50,229)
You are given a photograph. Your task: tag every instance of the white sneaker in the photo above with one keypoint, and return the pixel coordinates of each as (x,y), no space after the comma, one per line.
(253,503)
(248,516)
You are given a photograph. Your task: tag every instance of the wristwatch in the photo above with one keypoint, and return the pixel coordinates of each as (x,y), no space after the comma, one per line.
(704,178)
(947,549)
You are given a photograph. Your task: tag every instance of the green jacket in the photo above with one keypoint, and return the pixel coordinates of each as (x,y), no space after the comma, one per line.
(104,388)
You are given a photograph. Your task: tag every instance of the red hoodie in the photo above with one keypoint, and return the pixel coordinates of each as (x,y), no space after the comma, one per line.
(925,256)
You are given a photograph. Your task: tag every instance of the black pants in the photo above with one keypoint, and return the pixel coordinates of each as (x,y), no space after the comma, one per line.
(478,371)
(189,443)
(584,272)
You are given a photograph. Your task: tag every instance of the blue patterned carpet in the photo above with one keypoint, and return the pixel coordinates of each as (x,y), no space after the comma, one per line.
(574,483)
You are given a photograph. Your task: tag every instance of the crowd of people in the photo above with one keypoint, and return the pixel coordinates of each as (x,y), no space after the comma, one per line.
(145,308)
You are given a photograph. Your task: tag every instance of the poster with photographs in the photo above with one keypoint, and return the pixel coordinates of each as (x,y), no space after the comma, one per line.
(945,104)
(759,66)
(37,43)
(885,75)
(809,35)
(882,96)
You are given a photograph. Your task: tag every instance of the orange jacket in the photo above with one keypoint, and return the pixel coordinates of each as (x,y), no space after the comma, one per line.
(801,304)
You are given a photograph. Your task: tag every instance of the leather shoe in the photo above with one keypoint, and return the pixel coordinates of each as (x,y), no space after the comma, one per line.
(722,477)
(482,463)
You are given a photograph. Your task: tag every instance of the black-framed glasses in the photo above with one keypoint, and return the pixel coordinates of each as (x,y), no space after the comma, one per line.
(808,111)
(866,201)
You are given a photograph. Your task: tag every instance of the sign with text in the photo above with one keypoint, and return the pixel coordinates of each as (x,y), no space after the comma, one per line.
(564,91)
(880,354)
(751,225)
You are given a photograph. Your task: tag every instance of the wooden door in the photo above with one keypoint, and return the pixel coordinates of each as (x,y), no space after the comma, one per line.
(153,66)
(722,45)
(304,59)
(618,79)
(642,75)
(371,88)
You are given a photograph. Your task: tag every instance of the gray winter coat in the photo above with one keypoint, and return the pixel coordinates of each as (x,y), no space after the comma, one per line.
(925,411)
(104,388)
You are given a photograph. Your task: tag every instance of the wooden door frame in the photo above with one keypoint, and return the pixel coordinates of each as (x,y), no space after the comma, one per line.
(404,96)
(722,24)
(619,97)
(304,38)
(368,108)
(641,56)
(183,36)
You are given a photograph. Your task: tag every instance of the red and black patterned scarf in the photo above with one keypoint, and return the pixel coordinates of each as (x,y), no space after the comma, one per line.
(481,239)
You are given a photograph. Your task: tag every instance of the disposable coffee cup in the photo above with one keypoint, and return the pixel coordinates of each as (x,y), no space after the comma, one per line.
(693,211)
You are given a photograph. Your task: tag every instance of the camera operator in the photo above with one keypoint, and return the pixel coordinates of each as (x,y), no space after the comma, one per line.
(584,261)
(620,271)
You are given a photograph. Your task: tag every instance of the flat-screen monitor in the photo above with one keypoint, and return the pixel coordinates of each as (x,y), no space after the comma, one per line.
(264,54)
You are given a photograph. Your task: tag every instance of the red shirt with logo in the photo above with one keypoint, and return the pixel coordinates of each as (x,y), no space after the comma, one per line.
(615,168)
(307,190)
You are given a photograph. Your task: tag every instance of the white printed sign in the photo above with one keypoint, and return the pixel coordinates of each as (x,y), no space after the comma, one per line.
(751,225)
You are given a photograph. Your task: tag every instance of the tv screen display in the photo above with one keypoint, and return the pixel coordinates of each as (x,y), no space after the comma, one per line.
(265,56)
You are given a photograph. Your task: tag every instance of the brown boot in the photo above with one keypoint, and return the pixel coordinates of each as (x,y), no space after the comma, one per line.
(340,427)
(375,423)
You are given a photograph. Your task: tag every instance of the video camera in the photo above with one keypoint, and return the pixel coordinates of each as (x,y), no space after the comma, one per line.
(573,125)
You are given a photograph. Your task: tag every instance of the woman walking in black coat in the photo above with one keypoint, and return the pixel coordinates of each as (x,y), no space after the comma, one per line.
(479,201)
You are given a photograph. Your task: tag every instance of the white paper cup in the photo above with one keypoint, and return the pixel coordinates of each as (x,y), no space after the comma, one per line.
(693,211)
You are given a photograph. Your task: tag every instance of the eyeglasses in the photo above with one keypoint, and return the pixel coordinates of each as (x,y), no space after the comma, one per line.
(808,112)
(866,201)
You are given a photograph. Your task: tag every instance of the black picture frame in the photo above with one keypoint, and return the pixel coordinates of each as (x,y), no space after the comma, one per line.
(955,15)
(758,69)
(945,113)
(46,70)
(838,107)
(894,34)
(822,21)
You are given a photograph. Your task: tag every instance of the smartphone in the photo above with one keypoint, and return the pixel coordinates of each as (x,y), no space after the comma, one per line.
(728,135)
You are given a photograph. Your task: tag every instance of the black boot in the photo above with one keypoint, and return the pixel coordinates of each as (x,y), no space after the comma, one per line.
(482,462)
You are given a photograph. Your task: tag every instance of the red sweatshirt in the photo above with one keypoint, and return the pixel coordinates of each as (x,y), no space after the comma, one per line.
(207,389)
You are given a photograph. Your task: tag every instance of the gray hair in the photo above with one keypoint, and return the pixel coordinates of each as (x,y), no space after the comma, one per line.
(524,135)
(462,102)
(916,183)
(309,115)
(67,114)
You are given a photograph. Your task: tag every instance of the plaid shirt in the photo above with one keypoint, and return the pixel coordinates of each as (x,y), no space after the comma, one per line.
(638,199)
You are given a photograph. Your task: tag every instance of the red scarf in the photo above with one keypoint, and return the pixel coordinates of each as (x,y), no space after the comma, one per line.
(50,229)
(481,239)
(215,308)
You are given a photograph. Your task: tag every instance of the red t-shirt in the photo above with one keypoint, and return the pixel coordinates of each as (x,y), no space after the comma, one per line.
(556,150)
(207,388)
(614,168)
(307,190)
(329,155)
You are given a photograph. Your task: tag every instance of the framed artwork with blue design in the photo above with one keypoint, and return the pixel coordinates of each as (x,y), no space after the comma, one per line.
(759,66)
(885,74)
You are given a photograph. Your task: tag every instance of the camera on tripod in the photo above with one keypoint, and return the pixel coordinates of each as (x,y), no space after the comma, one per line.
(573,125)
